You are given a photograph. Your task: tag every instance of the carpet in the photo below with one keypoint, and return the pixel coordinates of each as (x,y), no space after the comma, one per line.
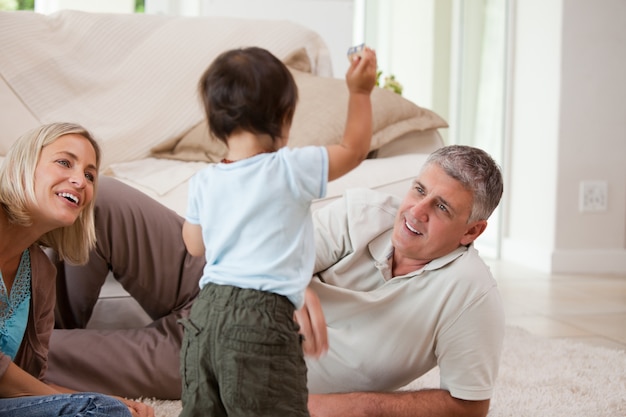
(538,377)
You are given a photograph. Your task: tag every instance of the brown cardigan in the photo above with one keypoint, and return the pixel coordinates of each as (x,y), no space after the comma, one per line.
(32,355)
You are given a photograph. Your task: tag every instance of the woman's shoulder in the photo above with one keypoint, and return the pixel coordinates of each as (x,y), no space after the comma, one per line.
(41,263)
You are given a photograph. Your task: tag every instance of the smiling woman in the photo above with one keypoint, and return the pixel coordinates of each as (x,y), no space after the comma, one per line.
(57,150)
(47,184)
(66,177)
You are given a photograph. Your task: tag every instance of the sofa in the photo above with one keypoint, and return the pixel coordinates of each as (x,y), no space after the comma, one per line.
(131,79)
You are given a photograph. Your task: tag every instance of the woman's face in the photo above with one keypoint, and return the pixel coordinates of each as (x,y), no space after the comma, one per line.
(64,180)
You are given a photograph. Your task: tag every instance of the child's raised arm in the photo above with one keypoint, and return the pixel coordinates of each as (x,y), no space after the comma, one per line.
(361,78)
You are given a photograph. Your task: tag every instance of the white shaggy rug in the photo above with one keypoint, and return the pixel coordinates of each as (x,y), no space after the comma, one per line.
(538,377)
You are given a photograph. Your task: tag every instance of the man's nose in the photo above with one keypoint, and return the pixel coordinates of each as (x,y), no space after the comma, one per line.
(420,210)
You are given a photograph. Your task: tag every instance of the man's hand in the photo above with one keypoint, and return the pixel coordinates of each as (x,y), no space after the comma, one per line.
(312,325)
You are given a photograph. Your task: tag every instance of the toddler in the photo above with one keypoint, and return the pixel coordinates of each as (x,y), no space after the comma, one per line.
(249,216)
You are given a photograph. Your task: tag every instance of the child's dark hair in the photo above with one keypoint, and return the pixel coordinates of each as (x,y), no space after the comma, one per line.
(248,89)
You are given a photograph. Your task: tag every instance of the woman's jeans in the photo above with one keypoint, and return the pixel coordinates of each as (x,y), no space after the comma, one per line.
(85,404)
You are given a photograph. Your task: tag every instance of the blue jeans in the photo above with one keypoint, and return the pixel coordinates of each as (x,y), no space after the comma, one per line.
(87,404)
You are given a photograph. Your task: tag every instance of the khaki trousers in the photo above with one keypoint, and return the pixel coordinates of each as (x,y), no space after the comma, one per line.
(140,241)
(242,356)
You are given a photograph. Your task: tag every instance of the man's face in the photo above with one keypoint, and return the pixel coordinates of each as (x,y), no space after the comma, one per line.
(432,219)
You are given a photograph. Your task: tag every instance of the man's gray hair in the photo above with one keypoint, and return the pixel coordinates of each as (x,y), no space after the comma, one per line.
(476,170)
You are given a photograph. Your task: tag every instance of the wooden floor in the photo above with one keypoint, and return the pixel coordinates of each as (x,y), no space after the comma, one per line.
(588,308)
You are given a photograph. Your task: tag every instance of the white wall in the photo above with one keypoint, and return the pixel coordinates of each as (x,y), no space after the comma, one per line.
(332,19)
(403,34)
(566,121)
(531,184)
(108,6)
(592,139)
(568,124)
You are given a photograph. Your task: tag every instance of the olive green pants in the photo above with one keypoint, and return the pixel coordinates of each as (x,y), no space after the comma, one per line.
(242,356)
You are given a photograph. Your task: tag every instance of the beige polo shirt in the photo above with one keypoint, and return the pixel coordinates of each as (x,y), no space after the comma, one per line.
(385,332)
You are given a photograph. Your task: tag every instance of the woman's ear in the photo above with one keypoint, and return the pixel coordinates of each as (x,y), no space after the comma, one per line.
(474,230)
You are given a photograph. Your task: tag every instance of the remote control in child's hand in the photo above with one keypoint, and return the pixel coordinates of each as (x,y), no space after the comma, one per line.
(355,51)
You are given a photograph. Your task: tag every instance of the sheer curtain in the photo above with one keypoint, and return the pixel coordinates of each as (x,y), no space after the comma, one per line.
(451,56)
(481,93)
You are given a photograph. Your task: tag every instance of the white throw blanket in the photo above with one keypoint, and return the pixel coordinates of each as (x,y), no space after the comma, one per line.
(130,79)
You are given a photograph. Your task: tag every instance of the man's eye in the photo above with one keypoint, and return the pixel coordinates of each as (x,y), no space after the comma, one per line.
(420,190)
(442,207)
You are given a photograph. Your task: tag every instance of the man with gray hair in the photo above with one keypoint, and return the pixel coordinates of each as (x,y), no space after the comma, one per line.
(403,289)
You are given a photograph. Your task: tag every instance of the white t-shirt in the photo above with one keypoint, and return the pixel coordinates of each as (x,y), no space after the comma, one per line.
(385,332)
(256,221)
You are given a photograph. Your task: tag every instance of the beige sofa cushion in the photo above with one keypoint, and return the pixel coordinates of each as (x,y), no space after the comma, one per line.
(319,120)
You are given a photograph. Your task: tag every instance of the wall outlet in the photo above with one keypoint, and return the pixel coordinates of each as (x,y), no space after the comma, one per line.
(594,196)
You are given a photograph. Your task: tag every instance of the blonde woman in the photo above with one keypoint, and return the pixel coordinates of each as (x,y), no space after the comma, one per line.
(47,184)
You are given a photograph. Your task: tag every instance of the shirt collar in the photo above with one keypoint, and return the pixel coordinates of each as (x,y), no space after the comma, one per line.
(381,250)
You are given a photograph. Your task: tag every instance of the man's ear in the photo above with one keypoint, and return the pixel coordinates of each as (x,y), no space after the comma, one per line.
(473,231)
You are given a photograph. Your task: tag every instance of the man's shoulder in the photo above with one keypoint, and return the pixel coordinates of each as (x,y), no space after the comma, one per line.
(469,268)
(361,212)
(373,199)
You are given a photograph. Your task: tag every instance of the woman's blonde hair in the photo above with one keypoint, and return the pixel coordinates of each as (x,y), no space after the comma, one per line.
(17,191)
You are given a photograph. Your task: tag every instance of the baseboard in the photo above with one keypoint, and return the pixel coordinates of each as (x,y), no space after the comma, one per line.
(527,254)
(585,261)
(565,261)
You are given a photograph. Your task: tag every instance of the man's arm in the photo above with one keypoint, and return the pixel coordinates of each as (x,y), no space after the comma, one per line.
(431,403)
